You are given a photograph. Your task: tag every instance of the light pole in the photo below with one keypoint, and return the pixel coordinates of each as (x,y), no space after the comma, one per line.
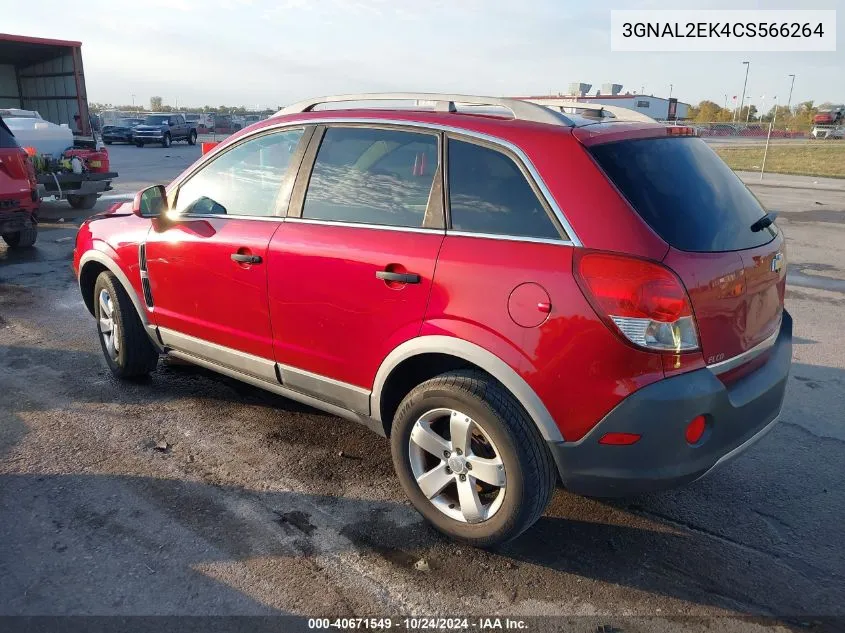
(792,85)
(742,101)
(670,90)
(133,99)
(726,102)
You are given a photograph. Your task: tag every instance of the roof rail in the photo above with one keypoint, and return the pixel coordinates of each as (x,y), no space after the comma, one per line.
(621,114)
(520,109)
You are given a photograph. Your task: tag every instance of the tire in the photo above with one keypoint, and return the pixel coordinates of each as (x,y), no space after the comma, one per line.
(165,142)
(83,202)
(23,238)
(107,142)
(139,144)
(133,355)
(501,431)
(192,138)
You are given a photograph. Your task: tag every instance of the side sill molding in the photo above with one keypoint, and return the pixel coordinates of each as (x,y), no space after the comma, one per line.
(241,362)
(276,388)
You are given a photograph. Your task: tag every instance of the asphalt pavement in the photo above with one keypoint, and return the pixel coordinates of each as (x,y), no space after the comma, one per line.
(259,505)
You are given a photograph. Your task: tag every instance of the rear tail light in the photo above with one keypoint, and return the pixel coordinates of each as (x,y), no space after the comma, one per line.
(644,301)
(14,164)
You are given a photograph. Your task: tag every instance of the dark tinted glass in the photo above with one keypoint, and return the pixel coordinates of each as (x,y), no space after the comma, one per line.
(489,194)
(372,177)
(7,139)
(685,192)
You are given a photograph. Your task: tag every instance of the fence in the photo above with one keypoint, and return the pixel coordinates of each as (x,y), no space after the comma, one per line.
(817,151)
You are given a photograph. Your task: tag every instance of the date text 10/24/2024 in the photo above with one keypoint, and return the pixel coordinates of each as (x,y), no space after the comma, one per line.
(419,624)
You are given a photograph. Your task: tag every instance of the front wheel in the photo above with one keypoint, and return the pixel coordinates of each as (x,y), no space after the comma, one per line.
(126,346)
(165,142)
(83,202)
(23,238)
(470,458)
(192,138)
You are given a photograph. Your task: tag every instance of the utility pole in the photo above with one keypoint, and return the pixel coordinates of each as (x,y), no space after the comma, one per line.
(670,91)
(726,102)
(133,99)
(791,86)
(742,101)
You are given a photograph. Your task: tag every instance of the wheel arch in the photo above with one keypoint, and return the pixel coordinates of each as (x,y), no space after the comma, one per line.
(444,353)
(91,264)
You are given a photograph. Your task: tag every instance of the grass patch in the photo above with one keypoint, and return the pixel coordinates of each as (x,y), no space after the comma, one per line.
(814,158)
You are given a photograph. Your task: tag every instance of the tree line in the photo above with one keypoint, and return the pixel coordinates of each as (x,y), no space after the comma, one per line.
(799,116)
(156,105)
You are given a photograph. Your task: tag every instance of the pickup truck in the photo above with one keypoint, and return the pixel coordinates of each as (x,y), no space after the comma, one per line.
(164,128)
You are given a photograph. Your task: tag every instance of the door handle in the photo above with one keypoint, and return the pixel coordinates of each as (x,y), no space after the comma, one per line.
(246,259)
(402,278)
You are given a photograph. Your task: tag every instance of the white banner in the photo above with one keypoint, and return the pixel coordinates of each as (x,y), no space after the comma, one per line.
(722,30)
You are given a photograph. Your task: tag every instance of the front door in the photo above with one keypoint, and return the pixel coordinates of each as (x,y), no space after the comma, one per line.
(207,263)
(350,275)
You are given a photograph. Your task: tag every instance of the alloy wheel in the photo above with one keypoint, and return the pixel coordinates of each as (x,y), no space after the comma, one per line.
(108,325)
(456,465)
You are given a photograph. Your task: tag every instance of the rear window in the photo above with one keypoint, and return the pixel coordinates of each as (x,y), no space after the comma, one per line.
(7,139)
(685,192)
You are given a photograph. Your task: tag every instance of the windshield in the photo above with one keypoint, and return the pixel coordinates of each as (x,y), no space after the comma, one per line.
(129,122)
(156,119)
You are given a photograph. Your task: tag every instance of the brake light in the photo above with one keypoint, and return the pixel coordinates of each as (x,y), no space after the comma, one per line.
(643,301)
(14,164)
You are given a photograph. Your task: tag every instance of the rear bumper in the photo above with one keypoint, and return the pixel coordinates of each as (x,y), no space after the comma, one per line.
(737,416)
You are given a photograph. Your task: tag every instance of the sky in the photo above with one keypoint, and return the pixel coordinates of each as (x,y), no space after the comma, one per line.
(266,53)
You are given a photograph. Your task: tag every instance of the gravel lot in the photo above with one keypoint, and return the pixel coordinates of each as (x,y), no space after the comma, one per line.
(263,506)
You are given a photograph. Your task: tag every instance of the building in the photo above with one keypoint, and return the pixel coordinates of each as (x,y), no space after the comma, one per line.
(656,107)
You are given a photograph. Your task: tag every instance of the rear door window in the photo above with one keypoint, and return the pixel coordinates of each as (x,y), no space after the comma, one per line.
(685,192)
(373,176)
(488,194)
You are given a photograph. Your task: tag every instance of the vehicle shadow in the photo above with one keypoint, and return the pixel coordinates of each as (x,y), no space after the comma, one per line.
(760,535)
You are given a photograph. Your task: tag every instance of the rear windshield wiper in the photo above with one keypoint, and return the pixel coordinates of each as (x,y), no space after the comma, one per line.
(766,220)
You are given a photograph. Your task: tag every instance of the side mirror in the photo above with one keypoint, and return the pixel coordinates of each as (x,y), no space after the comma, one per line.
(150,202)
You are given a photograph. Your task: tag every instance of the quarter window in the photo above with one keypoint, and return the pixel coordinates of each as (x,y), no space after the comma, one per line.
(372,176)
(488,193)
(246,180)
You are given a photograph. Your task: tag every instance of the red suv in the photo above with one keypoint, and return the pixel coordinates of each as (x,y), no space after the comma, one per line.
(514,300)
(19,200)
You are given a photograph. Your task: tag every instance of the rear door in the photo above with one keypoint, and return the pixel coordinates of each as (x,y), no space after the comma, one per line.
(735,275)
(207,263)
(350,270)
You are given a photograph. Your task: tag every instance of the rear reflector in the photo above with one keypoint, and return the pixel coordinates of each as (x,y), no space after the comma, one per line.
(620,439)
(695,429)
(643,300)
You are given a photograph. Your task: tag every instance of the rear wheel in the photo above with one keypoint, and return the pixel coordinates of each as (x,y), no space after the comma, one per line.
(107,142)
(192,138)
(83,202)
(139,144)
(126,346)
(21,239)
(470,458)
(165,142)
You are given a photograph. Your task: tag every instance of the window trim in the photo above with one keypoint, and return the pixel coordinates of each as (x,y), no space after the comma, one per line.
(303,179)
(562,234)
(292,169)
(330,118)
